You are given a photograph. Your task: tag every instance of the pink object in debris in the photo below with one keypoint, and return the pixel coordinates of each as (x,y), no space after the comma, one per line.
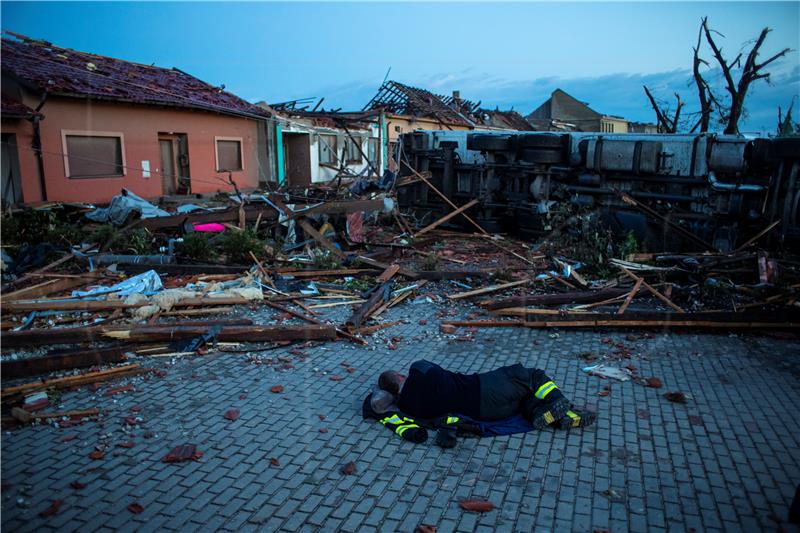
(212,227)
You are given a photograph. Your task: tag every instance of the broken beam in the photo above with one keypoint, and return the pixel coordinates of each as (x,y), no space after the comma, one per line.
(447,217)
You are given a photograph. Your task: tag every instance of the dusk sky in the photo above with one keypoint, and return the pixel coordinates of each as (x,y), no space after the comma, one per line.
(503,54)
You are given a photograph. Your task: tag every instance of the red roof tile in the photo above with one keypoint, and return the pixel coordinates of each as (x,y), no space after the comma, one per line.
(68,72)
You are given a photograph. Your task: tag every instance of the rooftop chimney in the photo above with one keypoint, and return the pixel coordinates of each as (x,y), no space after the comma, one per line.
(456,95)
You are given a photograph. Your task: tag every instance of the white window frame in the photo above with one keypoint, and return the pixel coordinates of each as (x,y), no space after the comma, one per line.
(216,152)
(89,133)
(356,143)
(331,150)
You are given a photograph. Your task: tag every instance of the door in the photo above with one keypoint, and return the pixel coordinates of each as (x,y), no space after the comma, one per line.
(169,166)
(297,158)
(174,150)
(9,173)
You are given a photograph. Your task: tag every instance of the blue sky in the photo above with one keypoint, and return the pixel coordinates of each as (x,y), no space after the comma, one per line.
(504,54)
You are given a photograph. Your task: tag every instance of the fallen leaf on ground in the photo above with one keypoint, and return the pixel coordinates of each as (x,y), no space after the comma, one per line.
(135,508)
(277,389)
(53,509)
(135,409)
(232,414)
(604,393)
(676,396)
(349,468)
(148,434)
(77,485)
(274,461)
(654,383)
(243,396)
(97,454)
(425,528)
(128,444)
(476,506)
(321,417)
(323,430)
(336,378)
(184,452)
(67,438)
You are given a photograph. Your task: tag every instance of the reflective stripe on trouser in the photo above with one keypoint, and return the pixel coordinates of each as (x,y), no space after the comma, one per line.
(399,424)
(575,419)
(545,389)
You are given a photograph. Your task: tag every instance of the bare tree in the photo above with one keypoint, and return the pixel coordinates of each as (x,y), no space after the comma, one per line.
(751,71)
(704,93)
(666,123)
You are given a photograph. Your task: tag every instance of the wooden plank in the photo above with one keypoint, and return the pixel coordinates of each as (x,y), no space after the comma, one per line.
(573,297)
(487,290)
(375,300)
(320,238)
(336,304)
(378,264)
(71,381)
(253,333)
(630,297)
(653,291)
(111,305)
(81,358)
(340,332)
(39,337)
(52,286)
(661,324)
(387,274)
(447,217)
(326,273)
(757,236)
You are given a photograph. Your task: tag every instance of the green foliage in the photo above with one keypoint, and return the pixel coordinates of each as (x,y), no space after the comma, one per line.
(358,285)
(30,226)
(236,246)
(326,261)
(628,246)
(105,235)
(138,242)
(197,247)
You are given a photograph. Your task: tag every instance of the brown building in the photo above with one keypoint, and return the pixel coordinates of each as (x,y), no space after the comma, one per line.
(103,124)
(563,112)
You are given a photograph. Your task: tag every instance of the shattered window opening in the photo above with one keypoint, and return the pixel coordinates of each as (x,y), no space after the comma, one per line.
(373,151)
(229,154)
(327,149)
(353,153)
(93,154)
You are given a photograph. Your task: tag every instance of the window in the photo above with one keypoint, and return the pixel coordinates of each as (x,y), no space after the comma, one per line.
(353,152)
(229,154)
(93,154)
(373,151)
(328,149)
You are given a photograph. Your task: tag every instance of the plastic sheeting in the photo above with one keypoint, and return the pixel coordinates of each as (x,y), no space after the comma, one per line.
(122,206)
(144,283)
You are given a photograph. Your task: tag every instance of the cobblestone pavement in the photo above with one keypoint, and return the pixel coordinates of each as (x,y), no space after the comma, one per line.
(726,460)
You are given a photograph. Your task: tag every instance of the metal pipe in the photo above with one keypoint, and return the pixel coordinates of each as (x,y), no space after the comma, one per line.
(731,187)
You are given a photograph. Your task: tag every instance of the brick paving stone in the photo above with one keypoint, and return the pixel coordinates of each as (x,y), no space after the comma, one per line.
(673,475)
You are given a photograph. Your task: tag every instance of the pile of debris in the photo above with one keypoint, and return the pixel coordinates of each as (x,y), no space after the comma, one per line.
(157,281)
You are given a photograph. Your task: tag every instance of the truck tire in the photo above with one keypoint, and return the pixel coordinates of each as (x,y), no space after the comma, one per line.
(484,143)
(540,140)
(542,156)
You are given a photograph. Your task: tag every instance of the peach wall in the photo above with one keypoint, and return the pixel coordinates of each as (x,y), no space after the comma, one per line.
(140,126)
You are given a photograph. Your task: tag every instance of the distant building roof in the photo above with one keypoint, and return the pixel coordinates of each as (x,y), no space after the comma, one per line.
(65,72)
(510,120)
(562,106)
(10,108)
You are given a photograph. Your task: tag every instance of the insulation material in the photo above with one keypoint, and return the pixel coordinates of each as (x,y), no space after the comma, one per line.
(168,298)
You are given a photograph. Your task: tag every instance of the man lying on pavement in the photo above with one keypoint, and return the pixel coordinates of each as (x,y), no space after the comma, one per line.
(510,399)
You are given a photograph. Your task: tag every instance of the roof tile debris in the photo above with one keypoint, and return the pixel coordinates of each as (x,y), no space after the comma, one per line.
(62,71)
(394,97)
(11,108)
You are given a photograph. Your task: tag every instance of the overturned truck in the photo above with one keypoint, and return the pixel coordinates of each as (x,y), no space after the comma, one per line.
(710,190)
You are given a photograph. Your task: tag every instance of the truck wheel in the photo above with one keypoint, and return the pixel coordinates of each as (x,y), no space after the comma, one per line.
(540,140)
(530,155)
(488,142)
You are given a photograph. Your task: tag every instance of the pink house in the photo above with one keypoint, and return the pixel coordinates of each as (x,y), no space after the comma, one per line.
(80,127)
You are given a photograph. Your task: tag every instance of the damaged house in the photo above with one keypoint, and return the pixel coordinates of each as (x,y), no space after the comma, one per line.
(317,147)
(81,127)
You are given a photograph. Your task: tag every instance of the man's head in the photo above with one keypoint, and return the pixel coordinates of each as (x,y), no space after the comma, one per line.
(391,381)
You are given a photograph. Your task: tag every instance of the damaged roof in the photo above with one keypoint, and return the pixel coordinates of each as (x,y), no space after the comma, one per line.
(10,108)
(394,97)
(510,120)
(66,72)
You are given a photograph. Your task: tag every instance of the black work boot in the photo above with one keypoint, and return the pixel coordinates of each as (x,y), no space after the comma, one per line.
(575,419)
(549,412)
